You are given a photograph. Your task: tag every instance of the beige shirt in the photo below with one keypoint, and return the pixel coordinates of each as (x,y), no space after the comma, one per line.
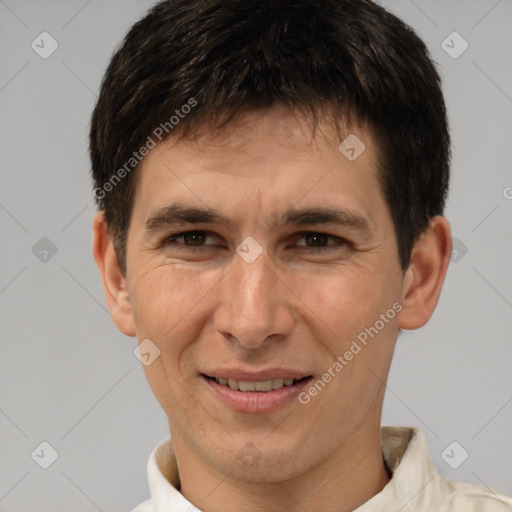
(415,486)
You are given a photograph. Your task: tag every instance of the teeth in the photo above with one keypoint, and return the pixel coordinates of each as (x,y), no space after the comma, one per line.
(277,383)
(247,386)
(244,385)
(266,385)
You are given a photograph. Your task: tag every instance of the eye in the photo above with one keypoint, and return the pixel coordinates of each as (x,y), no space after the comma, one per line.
(320,241)
(188,240)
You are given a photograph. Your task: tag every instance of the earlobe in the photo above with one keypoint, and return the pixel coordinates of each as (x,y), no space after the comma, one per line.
(114,283)
(425,276)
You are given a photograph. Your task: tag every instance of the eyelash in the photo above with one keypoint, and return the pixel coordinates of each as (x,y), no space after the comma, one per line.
(171,241)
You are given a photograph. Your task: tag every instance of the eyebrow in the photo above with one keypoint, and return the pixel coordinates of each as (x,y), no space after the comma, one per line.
(180,214)
(325,215)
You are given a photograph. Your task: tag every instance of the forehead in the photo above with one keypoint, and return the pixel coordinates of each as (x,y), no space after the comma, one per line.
(273,132)
(269,161)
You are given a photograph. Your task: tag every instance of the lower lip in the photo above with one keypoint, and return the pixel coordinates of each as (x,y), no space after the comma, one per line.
(257,401)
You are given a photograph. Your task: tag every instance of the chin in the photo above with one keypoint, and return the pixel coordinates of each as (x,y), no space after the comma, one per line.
(258,460)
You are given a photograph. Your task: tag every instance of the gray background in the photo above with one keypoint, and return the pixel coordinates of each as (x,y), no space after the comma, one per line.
(69,378)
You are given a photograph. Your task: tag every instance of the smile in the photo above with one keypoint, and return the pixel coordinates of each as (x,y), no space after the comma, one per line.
(262,396)
(262,385)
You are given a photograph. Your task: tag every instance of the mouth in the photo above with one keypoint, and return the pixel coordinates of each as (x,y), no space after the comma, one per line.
(256,396)
(261,386)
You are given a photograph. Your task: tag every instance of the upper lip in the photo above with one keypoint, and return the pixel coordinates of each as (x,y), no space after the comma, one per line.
(257,376)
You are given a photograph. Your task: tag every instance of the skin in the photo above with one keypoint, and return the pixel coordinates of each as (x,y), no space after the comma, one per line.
(291,307)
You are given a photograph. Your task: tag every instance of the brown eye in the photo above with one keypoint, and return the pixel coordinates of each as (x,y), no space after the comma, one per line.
(316,239)
(188,239)
(320,241)
(194,238)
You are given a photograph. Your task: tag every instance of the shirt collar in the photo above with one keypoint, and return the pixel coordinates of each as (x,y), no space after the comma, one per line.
(406,454)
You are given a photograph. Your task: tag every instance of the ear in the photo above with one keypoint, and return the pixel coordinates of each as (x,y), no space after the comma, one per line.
(114,283)
(426,273)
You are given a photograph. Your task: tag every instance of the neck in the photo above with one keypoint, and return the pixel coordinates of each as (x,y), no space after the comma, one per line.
(345,479)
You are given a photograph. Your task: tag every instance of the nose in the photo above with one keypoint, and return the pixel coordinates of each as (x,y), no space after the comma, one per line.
(255,305)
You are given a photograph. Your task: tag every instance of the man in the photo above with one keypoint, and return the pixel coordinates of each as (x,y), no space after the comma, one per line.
(271,179)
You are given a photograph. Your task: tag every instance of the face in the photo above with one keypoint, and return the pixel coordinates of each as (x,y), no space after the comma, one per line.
(262,254)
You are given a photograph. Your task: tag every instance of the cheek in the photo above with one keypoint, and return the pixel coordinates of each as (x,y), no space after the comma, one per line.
(344,301)
(171,303)
(345,314)
(170,306)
